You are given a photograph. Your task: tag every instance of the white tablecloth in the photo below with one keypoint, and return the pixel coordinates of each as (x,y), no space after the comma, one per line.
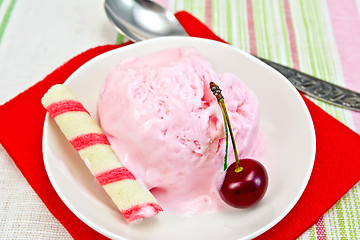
(40,36)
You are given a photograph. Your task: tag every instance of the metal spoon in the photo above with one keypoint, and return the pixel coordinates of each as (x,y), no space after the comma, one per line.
(143,19)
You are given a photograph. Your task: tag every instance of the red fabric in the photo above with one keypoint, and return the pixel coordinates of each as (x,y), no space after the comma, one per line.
(335,171)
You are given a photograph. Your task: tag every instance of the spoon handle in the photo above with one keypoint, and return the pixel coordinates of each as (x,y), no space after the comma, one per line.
(318,88)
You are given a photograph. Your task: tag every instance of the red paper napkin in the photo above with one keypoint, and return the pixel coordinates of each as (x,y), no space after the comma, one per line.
(335,171)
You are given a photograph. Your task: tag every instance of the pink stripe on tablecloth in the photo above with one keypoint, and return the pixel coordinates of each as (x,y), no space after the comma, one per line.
(251,27)
(345,20)
(208,13)
(291,34)
(320,229)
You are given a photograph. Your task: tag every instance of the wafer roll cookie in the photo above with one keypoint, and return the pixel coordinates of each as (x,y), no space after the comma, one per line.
(130,196)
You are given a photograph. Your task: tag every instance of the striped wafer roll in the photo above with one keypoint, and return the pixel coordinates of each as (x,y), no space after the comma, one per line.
(130,196)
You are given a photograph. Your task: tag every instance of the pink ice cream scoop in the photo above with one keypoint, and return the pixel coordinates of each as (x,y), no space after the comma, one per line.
(163,121)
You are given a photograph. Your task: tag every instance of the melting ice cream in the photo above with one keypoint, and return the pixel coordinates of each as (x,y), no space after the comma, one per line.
(165,125)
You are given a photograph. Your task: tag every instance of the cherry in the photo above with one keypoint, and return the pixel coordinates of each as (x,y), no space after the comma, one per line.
(247,187)
(245,181)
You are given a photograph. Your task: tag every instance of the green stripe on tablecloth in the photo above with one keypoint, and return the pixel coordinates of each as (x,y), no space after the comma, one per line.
(213,12)
(216,24)
(331,215)
(261,15)
(356,195)
(239,25)
(272,37)
(352,212)
(308,38)
(258,29)
(285,35)
(316,44)
(196,8)
(229,22)
(217,18)
(357,206)
(349,215)
(312,233)
(243,42)
(319,67)
(186,6)
(340,217)
(6,18)
(199,9)
(120,39)
(176,5)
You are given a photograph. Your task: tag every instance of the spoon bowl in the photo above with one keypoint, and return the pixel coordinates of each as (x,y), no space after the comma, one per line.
(142,19)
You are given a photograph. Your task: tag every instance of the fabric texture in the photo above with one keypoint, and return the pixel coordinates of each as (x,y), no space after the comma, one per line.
(335,170)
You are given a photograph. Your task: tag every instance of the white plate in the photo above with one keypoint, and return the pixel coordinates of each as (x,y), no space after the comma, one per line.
(284,120)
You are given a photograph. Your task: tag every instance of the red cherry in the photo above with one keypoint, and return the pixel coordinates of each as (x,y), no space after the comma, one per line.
(247,187)
(245,181)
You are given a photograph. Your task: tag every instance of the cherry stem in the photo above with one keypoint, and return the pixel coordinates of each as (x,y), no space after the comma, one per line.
(217,92)
(226,137)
